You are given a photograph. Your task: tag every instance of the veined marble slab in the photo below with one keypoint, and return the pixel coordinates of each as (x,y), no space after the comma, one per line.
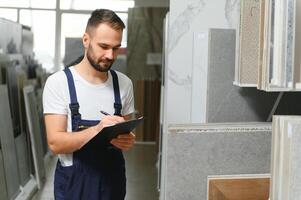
(196,151)
(188,18)
(8,145)
(286,158)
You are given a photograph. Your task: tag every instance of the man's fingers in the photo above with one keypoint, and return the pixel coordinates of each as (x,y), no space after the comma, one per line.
(127,136)
(123,143)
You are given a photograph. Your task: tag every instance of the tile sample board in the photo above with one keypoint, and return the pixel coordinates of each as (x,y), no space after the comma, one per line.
(8,145)
(35,134)
(248,43)
(286,158)
(279,62)
(215,98)
(196,151)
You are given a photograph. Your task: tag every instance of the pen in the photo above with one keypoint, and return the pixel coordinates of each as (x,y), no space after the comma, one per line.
(105,113)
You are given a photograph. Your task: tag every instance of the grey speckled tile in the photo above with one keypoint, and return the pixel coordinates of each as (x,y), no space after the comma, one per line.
(226,102)
(197,151)
(249,42)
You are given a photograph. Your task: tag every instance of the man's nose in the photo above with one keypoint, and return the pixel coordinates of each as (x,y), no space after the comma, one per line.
(110,54)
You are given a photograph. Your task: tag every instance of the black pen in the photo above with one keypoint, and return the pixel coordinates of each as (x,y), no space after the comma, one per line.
(105,113)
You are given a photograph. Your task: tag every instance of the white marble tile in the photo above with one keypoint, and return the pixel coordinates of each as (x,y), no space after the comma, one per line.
(186,19)
(286,159)
(199,77)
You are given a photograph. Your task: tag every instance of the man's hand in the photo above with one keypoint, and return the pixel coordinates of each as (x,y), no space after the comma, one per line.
(108,120)
(124,141)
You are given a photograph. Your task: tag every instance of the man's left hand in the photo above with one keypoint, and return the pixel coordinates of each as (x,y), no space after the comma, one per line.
(124,141)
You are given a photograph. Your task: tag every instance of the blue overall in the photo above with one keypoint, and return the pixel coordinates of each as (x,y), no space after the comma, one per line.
(98,171)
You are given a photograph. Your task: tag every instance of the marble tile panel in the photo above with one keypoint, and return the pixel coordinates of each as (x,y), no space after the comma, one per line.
(265,46)
(8,145)
(278,43)
(197,151)
(290,35)
(261,43)
(286,159)
(35,134)
(249,42)
(188,18)
(297,50)
(199,77)
(225,101)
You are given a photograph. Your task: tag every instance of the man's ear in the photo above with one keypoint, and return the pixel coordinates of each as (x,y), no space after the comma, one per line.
(86,40)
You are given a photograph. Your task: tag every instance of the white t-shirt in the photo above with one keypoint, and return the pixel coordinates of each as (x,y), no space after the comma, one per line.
(92,98)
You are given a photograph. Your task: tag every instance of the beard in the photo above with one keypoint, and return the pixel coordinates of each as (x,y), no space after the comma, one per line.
(95,63)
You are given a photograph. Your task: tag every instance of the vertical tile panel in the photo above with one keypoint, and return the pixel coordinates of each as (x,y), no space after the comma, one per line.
(8,145)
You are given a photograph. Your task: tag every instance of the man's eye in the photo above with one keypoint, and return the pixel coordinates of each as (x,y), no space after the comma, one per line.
(104,47)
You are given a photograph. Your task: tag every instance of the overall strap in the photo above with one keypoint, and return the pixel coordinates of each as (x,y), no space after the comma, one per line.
(74,106)
(117,103)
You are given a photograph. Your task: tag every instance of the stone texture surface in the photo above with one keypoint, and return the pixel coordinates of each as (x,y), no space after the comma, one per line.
(286,159)
(225,101)
(197,151)
(249,42)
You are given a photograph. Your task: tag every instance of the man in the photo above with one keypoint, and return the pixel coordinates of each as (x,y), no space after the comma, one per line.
(72,101)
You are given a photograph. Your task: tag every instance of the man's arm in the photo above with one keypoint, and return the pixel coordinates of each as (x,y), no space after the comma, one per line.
(62,142)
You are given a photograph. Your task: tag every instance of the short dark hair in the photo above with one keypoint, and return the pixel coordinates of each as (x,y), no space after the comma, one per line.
(107,16)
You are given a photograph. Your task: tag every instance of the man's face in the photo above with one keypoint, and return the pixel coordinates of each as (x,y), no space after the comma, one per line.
(102,47)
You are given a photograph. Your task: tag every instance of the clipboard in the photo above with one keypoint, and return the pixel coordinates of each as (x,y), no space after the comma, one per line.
(110,132)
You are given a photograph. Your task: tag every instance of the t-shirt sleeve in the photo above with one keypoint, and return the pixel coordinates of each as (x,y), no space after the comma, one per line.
(54,97)
(128,106)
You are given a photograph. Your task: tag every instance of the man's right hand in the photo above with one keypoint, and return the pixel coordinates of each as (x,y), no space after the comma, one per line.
(108,120)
